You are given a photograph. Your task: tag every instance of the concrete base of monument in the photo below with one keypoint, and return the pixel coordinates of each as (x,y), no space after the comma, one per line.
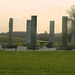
(64,47)
(9,46)
(30,47)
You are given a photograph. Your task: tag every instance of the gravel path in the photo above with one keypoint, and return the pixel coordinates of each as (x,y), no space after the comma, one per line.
(21,48)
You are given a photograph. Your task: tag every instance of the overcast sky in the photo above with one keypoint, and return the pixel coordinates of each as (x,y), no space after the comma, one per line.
(21,10)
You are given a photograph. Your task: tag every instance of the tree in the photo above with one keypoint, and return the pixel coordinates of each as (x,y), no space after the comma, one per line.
(45,33)
(71,12)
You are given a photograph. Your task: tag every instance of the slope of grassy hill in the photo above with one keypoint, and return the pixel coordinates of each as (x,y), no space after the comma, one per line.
(5,39)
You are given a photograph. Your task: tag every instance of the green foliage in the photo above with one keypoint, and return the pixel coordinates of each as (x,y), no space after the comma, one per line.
(44,44)
(58,43)
(37,63)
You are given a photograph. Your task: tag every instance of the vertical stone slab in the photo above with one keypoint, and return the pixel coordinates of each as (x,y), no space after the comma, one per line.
(33,30)
(73,33)
(64,30)
(10,30)
(52,23)
(28,32)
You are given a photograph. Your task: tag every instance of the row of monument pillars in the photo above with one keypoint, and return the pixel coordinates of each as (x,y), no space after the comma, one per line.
(64,31)
(32,31)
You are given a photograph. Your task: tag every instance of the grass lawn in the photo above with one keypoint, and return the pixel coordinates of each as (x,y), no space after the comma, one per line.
(37,63)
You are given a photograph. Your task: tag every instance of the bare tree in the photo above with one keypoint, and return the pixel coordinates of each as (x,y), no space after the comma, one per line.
(71,12)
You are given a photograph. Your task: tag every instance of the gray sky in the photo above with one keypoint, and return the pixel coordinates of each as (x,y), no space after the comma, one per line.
(21,10)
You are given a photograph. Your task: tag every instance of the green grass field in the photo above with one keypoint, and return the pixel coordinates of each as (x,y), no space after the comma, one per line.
(37,63)
(5,40)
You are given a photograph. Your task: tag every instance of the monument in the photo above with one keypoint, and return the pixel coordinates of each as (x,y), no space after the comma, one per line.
(52,23)
(73,33)
(28,33)
(64,45)
(64,30)
(33,30)
(10,30)
(31,33)
(51,38)
(10,45)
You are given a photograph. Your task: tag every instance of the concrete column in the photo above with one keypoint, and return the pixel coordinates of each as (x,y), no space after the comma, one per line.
(33,30)
(64,30)
(73,33)
(10,30)
(28,32)
(52,23)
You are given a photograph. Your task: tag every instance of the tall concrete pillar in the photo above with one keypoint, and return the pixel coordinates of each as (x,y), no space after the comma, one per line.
(33,30)
(52,23)
(28,32)
(10,30)
(64,30)
(73,33)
